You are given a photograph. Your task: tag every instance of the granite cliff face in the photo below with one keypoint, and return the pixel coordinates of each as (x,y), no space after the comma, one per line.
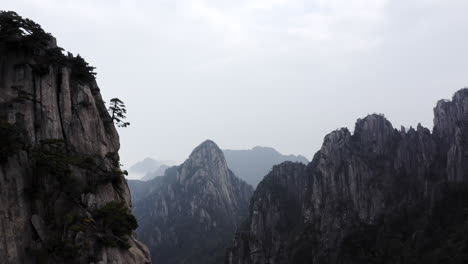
(379,195)
(60,181)
(189,214)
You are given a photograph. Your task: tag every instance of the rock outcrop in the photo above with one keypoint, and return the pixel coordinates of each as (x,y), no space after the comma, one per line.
(60,181)
(189,214)
(379,195)
(274,210)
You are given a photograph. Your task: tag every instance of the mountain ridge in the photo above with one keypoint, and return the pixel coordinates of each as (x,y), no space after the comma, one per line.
(148,166)
(375,196)
(253,164)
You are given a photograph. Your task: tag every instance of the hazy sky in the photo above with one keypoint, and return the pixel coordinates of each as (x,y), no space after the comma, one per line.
(279,73)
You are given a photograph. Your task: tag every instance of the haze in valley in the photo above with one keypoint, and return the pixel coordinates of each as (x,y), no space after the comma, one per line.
(280,73)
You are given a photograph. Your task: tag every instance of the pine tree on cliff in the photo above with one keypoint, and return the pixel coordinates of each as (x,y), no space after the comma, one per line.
(118,110)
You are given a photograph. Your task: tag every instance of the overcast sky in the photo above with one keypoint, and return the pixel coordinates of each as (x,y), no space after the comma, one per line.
(279,73)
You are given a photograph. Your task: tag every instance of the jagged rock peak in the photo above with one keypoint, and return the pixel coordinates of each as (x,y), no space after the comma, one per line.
(361,190)
(374,131)
(207,156)
(448,114)
(371,124)
(373,127)
(336,136)
(193,208)
(207,150)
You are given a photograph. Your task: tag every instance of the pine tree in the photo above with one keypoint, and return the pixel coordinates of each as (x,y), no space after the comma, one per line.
(117,110)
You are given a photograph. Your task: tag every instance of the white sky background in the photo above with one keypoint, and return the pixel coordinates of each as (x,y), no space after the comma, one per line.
(279,73)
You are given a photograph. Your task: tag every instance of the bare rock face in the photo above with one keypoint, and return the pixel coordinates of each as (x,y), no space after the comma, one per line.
(188,214)
(274,210)
(379,195)
(60,179)
(451,127)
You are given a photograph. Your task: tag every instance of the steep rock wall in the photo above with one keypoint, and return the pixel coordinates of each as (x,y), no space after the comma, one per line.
(62,169)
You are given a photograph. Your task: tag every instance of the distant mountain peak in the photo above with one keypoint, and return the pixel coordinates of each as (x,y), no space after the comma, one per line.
(201,201)
(253,164)
(267,151)
(147,168)
(207,151)
(206,161)
(207,147)
(209,142)
(264,148)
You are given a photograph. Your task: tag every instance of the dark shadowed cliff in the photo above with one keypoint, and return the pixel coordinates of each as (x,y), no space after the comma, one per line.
(189,214)
(63,197)
(379,195)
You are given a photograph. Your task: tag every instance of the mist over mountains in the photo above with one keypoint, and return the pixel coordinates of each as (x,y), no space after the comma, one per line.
(249,164)
(253,164)
(149,168)
(379,194)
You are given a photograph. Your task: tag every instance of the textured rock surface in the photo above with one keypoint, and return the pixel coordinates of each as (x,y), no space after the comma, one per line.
(379,195)
(189,213)
(35,205)
(274,210)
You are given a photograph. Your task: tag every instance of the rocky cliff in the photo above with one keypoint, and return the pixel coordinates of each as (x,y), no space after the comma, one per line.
(63,197)
(379,195)
(189,214)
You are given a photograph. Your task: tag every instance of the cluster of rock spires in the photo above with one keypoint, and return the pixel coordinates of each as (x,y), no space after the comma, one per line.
(380,195)
(189,214)
(63,197)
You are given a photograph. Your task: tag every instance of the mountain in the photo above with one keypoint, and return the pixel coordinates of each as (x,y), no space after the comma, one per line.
(250,164)
(253,164)
(379,195)
(153,174)
(63,197)
(144,166)
(189,214)
(139,189)
(147,167)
